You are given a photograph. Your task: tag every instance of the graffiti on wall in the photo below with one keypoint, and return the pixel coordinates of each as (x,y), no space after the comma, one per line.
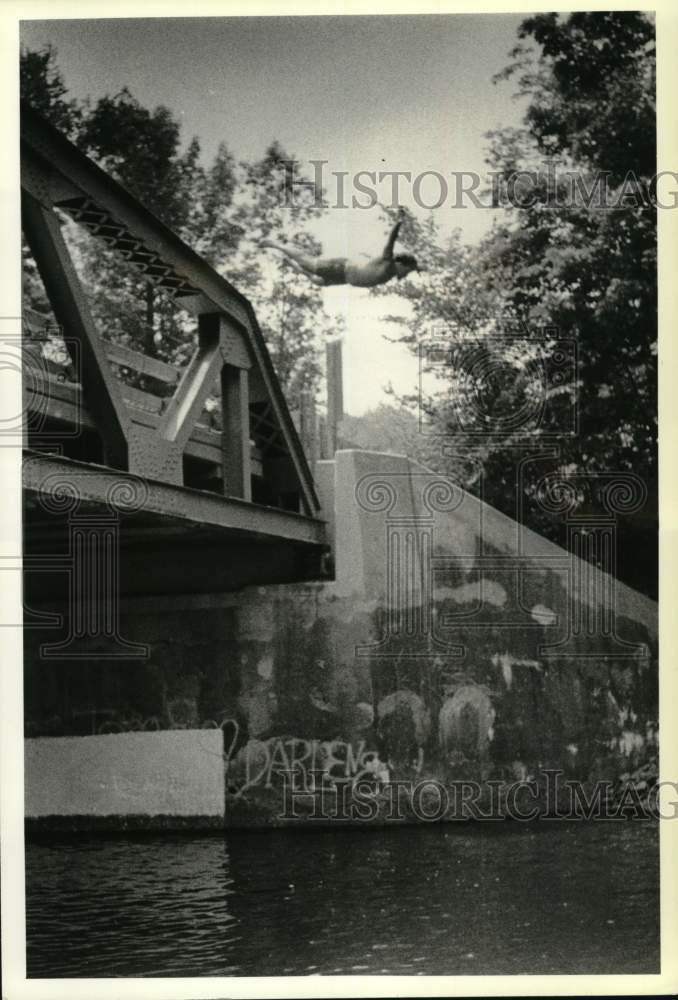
(264,763)
(465,722)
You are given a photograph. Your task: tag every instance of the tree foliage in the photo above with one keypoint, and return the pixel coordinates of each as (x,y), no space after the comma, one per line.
(557,268)
(222,209)
(42,86)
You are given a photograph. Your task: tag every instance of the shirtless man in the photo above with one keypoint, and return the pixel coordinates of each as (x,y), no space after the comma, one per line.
(326,271)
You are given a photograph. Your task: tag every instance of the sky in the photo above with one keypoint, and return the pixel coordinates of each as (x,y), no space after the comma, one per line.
(374,93)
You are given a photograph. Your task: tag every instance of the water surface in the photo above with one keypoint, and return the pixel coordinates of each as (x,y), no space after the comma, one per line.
(438,900)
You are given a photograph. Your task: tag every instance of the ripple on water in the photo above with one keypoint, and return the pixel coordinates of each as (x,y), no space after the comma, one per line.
(189,906)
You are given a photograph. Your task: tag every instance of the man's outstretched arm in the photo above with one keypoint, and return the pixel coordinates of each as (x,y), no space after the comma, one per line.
(388,249)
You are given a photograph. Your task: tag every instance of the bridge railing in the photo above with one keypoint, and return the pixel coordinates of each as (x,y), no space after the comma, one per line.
(54,399)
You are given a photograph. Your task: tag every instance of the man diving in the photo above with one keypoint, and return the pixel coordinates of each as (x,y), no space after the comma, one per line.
(326,271)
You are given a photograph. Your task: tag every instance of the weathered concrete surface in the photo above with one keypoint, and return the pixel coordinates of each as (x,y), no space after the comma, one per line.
(160,774)
(453,644)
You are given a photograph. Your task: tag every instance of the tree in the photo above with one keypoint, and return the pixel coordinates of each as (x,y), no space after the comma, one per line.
(590,272)
(42,86)
(142,150)
(559,268)
(222,210)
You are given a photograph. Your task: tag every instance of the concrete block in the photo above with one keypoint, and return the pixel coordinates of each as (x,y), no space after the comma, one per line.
(170,773)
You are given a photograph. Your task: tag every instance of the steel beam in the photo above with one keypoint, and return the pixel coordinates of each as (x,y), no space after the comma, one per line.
(195,386)
(45,151)
(170,507)
(236,432)
(102,390)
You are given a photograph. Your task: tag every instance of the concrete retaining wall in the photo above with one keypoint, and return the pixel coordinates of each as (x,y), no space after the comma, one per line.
(453,644)
(156,775)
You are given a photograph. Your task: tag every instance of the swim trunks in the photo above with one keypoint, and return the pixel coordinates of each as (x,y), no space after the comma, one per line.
(332,271)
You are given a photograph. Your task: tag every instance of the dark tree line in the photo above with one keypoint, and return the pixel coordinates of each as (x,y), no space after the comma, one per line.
(557,267)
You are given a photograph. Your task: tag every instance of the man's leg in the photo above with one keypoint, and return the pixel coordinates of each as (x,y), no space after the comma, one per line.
(306,263)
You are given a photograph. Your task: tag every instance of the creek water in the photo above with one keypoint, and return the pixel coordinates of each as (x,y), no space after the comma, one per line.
(485,898)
